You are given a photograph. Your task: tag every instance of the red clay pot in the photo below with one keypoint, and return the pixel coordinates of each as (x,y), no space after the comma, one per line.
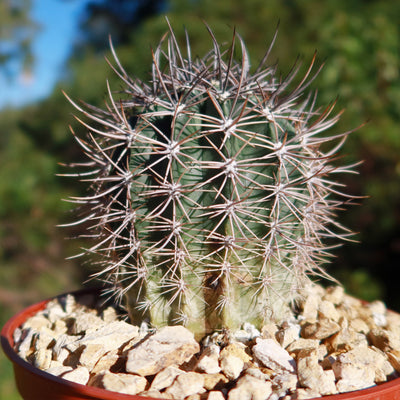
(34,384)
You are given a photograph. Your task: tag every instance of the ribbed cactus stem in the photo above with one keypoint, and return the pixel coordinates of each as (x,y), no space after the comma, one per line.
(211,195)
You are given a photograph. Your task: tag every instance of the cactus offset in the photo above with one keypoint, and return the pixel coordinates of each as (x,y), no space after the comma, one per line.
(211,196)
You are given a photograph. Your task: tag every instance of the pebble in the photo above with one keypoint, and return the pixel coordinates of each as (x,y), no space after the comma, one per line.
(355,369)
(215,395)
(121,383)
(165,378)
(185,385)
(319,329)
(273,356)
(250,388)
(212,381)
(289,332)
(209,360)
(170,345)
(312,376)
(231,366)
(77,375)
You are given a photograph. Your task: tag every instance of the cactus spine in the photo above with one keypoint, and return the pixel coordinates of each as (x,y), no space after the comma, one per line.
(210,196)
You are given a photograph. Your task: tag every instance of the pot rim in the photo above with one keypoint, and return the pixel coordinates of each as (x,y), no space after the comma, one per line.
(7,343)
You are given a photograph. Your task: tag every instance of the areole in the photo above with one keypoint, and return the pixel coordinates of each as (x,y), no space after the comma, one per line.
(34,384)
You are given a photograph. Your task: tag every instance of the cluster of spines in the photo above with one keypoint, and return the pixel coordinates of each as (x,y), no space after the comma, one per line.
(211,197)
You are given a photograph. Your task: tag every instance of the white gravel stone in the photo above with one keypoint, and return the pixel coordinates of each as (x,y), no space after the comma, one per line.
(170,345)
(303,344)
(231,366)
(348,385)
(312,376)
(334,294)
(165,378)
(208,361)
(250,388)
(60,351)
(37,322)
(273,356)
(185,385)
(357,365)
(109,315)
(285,382)
(25,347)
(247,333)
(215,395)
(42,358)
(57,368)
(55,311)
(288,333)
(326,309)
(87,323)
(121,383)
(106,362)
(77,375)
(111,336)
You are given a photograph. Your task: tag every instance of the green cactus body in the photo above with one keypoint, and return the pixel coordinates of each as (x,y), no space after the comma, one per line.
(211,194)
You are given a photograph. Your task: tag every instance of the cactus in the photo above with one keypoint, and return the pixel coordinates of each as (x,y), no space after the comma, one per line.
(211,197)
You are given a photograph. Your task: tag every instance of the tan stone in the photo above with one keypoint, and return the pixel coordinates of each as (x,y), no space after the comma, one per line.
(59,328)
(345,340)
(358,325)
(42,358)
(288,333)
(302,344)
(351,384)
(212,381)
(357,364)
(312,376)
(237,350)
(273,356)
(106,362)
(302,394)
(121,383)
(209,360)
(60,351)
(85,323)
(25,345)
(55,311)
(37,322)
(109,315)
(91,354)
(384,340)
(196,396)
(172,345)
(110,336)
(215,395)
(285,382)
(327,310)
(269,331)
(310,306)
(250,388)
(165,378)
(231,366)
(257,373)
(319,330)
(77,375)
(154,394)
(393,322)
(334,294)
(394,361)
(56,368)
(185,385)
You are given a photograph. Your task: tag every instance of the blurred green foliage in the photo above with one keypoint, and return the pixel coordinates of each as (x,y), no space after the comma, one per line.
(359,42)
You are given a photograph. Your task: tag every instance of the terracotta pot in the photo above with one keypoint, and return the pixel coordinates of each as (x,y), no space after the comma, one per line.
(34,384)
